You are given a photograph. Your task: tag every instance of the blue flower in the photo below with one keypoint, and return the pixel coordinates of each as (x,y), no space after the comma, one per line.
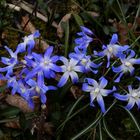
(44,64)
(127,65)
(97,91)
(84,60)
(25,92)
(133,97)
(39,88)
(83,41)
(112,49)
(28,41)
(13,83)
(86,31)
(10,62)
(69,69)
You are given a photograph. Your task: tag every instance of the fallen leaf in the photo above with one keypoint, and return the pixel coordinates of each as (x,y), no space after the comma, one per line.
(76,91)
(17,101)
(29,27)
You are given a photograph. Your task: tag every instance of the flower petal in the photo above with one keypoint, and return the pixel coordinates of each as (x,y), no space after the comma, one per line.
(36,34)
(132,54)
(92,82)
(56,68)
(48,52)
(134,61)
(32,73)
(92,98)
(31,83)
(64,60)
(130,104)
(117,69)
(114,39)
(37,57)
(103,82)
(21,48)
(43,98)
(79,69)
(63,79)
(101,103)
(86,30)
(74,77)
(138,103)
(119,77)
(54,58)
(10,51)
(86,87)
(121,97)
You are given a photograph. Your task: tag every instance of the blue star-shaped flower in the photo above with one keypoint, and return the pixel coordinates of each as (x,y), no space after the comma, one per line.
(69,69)
(127,65)
(83,41)
(10,62)
(28,41)
(97,91)
(85,61)
(133,97)
(39,88)
(112,49)
(46,64)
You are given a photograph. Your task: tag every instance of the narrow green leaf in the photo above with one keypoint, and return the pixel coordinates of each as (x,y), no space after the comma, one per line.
(107,130)
(100,131)
(88,127)
(78,19)
(9,112)
(65,26)
(132,117)
(73,115)
(73,107)
(71,110)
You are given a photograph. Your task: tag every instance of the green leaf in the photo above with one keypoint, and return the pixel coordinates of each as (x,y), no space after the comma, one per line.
(78,19)
(3,88)
(107,130)
(9,112)
(65,26)
(133,118)
(100,131)
(22,120)
(91,125)
(1,133)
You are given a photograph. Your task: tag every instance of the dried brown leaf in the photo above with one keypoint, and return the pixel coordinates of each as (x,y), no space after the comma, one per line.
(123,32)
(29,27)
(93,14)
(17,101)
(76,91)
(48,127)
(13,124)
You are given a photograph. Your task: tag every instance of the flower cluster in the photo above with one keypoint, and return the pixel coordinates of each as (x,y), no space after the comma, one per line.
(28,76)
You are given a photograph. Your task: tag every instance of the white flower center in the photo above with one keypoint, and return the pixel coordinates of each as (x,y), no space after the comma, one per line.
(23,90)
(69,68)
(27,38)
(96,91)
(110,49)
(135,95)
(37,89)
(46,62)
(128,64)
(83,61)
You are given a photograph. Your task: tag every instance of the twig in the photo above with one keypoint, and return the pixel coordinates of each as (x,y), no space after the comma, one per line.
(29,8)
